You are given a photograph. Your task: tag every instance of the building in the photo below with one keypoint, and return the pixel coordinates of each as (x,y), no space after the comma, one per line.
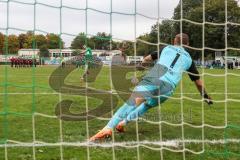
(29,53)
(134,59)
(111,53)
(220,58)
(65,53)
(114,52)
(53,53)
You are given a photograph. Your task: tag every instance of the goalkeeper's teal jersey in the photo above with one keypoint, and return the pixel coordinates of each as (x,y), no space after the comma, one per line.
(177,60)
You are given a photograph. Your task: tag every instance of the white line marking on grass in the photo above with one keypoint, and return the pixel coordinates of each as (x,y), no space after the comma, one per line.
(129,144)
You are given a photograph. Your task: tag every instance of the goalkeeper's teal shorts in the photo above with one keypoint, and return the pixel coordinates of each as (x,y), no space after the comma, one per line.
(153,94)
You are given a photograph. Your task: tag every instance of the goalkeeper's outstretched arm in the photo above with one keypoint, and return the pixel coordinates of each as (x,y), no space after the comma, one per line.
(200,86)
(149,59)
(145,63)
(194,76)
(152,57)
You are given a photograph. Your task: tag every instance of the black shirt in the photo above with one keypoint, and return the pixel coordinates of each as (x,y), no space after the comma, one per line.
(193,72)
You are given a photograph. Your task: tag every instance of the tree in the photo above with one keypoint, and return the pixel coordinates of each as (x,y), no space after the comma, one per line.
(214,36)
(29,41)
(79,41)
(115,45)
(22,38)
(76,52)
(167,32)
(41,41)
(127,48)
(143,48)
(214,12)
(101,41)
(188,6)
(233,30)
(12,44)
(54,41)
(2,37)
(44,51)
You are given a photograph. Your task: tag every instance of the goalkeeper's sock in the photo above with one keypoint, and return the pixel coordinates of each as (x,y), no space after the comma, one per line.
(121,114)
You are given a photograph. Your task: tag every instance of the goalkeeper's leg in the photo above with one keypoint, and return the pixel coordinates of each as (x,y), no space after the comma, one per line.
(124,111)
(131,110)
(137,112)
(144,107)
(120,115)
(86,70)
(137,98)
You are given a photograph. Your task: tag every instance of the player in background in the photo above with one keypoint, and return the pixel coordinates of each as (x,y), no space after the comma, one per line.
(62,61)
(88,59)
(12,59)
(157,85)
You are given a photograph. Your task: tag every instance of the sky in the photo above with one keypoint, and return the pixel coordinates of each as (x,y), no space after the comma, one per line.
(73,18)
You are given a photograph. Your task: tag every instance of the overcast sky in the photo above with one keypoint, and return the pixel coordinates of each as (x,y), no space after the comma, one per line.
(74,20)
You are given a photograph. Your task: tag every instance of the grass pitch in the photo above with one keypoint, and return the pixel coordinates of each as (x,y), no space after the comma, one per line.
(17,103)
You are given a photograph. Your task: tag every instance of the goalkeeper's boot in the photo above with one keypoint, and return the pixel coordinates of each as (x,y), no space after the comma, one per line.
(104,134)
(120,127)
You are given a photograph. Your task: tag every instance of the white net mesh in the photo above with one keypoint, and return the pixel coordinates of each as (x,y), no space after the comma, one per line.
(182,128)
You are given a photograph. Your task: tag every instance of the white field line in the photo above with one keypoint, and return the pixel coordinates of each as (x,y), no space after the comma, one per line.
(129,144)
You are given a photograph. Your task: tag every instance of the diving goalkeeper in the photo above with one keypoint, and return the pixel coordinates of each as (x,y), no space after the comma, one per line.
(157,85)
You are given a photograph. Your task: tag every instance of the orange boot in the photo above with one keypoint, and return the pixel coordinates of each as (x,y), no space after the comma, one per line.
(101,135)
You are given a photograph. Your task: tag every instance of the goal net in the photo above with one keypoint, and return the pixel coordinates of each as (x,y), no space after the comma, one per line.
(50,112)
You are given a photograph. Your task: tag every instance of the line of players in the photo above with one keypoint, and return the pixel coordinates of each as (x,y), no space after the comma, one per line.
(23,62)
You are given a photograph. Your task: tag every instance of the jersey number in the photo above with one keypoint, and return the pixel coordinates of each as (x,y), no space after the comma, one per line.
(175,60)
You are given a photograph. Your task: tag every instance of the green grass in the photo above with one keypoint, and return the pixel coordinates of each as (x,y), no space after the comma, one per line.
(17,100)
